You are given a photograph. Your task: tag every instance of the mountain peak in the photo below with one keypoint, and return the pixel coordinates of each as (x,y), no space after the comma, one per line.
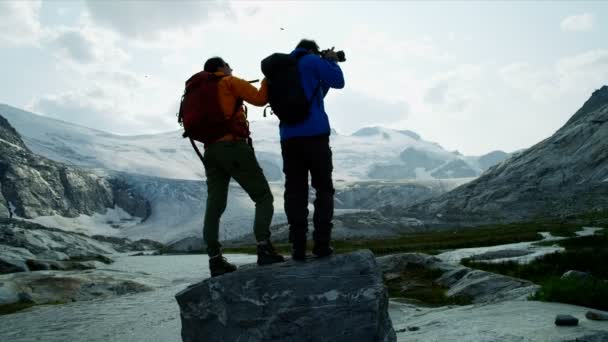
(598,99)
(9,135)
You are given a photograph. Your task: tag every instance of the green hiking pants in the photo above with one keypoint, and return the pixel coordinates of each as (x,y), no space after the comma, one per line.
(234,159)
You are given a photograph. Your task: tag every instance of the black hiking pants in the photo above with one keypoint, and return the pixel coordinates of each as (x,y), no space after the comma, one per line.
(303,155)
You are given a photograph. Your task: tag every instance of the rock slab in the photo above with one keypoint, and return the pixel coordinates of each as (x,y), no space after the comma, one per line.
(339,298)
(566,320)
(596,316)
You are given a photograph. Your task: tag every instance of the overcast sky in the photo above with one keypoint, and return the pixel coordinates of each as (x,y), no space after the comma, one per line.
(472,76)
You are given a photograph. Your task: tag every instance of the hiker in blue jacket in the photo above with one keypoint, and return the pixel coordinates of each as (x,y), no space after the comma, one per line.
(305,148)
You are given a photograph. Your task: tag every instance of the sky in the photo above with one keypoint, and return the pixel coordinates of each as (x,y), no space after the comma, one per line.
(472,76)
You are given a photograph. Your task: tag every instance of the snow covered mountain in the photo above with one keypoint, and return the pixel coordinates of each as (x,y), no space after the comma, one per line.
(373,167)
(371,153)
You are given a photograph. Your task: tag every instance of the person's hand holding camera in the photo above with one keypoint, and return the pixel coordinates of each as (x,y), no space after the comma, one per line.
(330,54)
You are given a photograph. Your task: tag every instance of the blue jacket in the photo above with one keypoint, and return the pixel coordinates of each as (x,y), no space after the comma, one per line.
(318,74)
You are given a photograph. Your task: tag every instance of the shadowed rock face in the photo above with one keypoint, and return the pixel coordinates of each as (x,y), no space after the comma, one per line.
(37,186)
(340,298)
(564,174)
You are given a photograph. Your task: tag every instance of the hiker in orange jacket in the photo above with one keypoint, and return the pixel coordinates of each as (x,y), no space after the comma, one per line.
(232,156)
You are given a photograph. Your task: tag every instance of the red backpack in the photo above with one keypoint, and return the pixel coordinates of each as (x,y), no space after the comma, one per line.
(200,112)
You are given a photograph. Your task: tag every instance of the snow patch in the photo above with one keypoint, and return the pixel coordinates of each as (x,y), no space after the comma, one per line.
(588,231)
(536,252)
(108,224)
(11,144)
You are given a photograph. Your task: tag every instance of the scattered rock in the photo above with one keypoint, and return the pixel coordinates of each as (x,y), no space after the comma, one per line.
(566,320)
(596,316)
(576,275)
(339,298)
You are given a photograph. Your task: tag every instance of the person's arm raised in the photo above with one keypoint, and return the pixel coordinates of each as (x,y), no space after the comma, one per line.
(248,92)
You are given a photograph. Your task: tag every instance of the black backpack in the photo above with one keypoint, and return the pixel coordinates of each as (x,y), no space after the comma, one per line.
(285,93)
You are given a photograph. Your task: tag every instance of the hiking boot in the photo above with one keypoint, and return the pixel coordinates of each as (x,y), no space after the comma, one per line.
(322,250)
(267,255)
(298,250)
(218,265)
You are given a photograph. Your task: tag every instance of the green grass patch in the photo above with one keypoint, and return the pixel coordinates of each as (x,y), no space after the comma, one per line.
(587,254)
(417,283)
(437,241)
(592,293)
(15,307)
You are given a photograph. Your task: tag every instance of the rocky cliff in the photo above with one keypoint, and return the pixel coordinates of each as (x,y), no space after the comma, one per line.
(562,175)
(32,185)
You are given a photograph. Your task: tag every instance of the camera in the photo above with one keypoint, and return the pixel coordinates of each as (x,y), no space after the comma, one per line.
(340,54)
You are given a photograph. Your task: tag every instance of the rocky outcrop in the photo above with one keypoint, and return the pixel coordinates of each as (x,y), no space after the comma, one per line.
(339,298)
(563,175)
(26,246)
(4,206)
(44,287)
(49,243)
(459,281)
(37,186)
(125,245)
(29,247)
(14,259)
(129,200)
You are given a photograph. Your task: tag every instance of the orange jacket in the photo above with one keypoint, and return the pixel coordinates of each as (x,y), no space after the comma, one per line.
(230,89)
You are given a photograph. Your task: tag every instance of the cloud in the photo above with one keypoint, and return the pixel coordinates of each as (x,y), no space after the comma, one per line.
(588,70)
(456,90)
(350,110)
(147,20)
(575,74)
(578,23)
(75,45)
(121,102)
(87,44)
(437,94)
(541,82)
(20,22)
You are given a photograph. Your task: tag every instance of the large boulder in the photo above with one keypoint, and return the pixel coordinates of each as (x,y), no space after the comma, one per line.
(339,298)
